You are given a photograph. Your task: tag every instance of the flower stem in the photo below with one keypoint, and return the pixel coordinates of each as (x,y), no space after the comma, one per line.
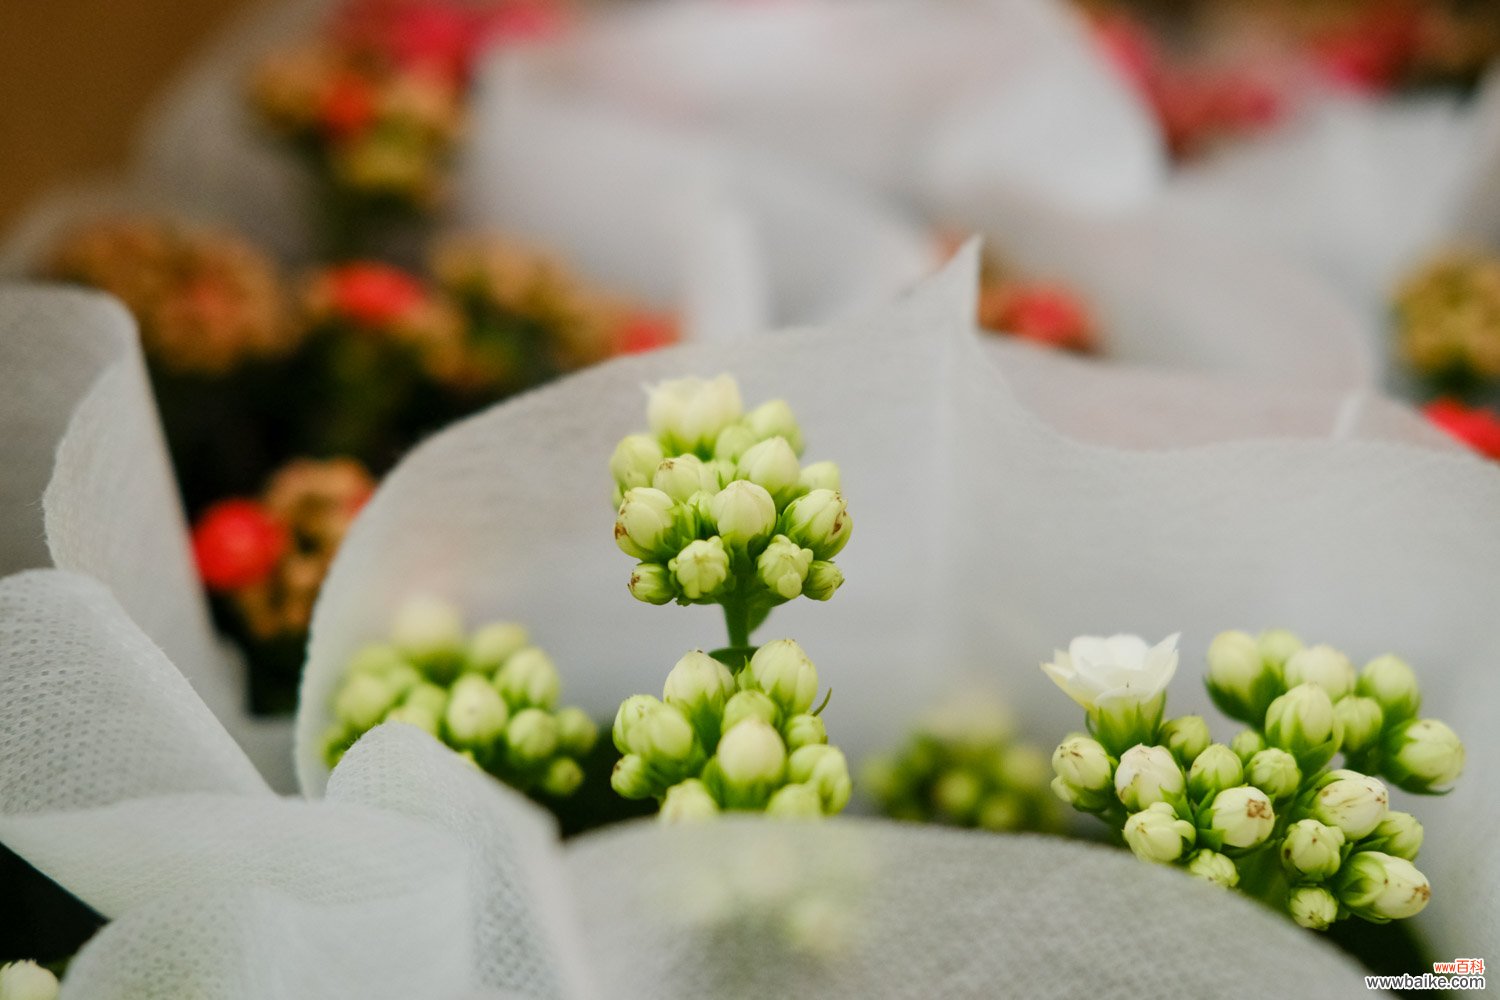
(737,621)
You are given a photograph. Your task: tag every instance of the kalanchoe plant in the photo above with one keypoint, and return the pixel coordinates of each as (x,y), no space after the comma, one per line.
(961,766)
(27,981)
(490,695)
(718,740)
(716,506)
(1267,812)
(718,509)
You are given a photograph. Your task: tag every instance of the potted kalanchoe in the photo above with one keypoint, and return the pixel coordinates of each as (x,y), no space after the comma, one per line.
(1266,813)
(717,509)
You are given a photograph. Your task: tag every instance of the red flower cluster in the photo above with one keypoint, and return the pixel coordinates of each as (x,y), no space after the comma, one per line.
(373,294)
(439,36)
(237,543)
(1473,425)
(1046,314)
(645,332)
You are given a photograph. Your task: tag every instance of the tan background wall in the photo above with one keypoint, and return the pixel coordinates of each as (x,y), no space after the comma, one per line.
(75,76)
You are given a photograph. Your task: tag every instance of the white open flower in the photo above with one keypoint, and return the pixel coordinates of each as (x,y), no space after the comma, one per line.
(1098,672)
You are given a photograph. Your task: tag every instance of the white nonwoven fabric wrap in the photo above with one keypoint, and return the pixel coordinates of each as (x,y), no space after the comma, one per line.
(419,876)
(1360,190)
(885,93)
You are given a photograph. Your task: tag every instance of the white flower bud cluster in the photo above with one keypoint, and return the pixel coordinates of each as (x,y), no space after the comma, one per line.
(27,981)
(719,741)
(716,506)
(489,695)
(1177,797)
(962,766)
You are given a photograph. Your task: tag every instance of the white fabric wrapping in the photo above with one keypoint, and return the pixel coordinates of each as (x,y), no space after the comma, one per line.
(886,93)
(419,876)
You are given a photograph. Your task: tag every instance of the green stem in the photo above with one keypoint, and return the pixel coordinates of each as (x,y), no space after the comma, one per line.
(737,621)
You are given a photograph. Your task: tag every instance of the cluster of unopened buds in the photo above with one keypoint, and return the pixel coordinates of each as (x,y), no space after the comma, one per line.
(717,508)
(1264,812)
(490,695)
(719,740)
(963,767)
(1448,319)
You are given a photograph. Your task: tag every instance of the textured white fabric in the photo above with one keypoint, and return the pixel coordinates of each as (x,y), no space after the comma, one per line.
(888,93)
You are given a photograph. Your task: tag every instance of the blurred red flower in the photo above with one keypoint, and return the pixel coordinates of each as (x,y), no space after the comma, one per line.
(1473,425)
(237,543)
(373,294)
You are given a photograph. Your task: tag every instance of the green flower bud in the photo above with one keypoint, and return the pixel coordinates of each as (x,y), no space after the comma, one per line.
(1001,812)
(493,644)
(363,701)
(734,441)
(27,981)
(957,793)
(688,801)
(1186,736)
(681,477)
(1239,817)
(659,733)
(1082,763)
(1302,723)
(420,716)
(631,778)
(1275,772)
(795,802)
(426,628)
(1361,720)
(1277,646)
(476,714)
(650,524)
(1247,743)
(1211,866)
(1312,850)
(775,419)
(1215,769)
(1024,767)
(428,697)
(1239,680)
(529,679)
(1147,775)
(531,737)
(1321,665)
(819,476)
(1381,887)
(783,671)
(752,758)
(1423,756)
(825,769)
(1353,802)
(562,778)
(783,566)
(1313,907)
(377,658)
(744,514)
(724,472)
(699,685)
(755,705)
(652,583)
(688,414)
(1399,834)
(634,461)
(804,731)
(823,579)
(819,521)
(701,569)
(1156,834)
(576,732)
(1393,685)
(772,464)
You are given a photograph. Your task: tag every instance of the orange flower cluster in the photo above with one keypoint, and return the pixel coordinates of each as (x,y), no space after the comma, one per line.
(1448,317)
(206,301)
